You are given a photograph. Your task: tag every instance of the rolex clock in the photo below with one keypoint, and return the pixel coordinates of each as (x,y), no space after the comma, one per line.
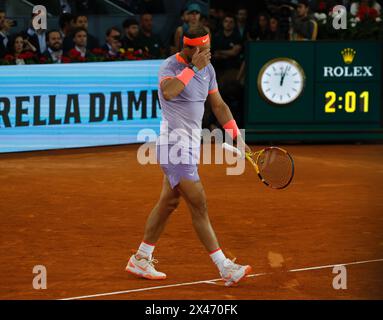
(281,81)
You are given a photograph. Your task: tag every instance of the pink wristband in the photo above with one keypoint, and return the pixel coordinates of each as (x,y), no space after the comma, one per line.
(185,76)
(231,128)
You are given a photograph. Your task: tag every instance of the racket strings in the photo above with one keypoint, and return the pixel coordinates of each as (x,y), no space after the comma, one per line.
(275,167)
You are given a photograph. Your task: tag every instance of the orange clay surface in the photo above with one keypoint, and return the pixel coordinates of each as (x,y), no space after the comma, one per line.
(81,212)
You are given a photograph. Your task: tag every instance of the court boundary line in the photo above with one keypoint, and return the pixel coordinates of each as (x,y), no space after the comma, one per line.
(213,281)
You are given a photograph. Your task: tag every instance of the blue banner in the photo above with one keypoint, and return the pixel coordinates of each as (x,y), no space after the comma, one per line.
(76,105)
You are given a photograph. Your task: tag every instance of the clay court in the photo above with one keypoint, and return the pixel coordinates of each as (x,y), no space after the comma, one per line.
(81,212)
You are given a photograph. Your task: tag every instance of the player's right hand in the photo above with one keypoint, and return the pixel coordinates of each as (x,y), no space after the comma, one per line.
(201,58)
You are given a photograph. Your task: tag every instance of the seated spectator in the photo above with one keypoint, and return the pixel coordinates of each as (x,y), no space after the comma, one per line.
(36,37)
(54,52)
(149,40)
(226,46)
(242,23)
(184,18)
(274,32)
(80,21)
(65,25)
(303,27)
(113,43)
(284,14)
(214,20)
(80,52)
(5,26)
(260,31)
(21,51)
(193,13)
(365,8)
(130,40)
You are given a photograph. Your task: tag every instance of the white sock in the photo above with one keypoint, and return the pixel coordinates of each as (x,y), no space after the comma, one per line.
(145,249)
(218,257)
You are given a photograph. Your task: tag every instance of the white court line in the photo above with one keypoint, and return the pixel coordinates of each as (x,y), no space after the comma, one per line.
(334,265)
(213,281)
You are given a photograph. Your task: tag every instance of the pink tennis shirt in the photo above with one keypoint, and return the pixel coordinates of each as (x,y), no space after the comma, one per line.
(182,115)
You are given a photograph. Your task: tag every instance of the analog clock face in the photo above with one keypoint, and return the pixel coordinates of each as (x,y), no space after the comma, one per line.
(281,81)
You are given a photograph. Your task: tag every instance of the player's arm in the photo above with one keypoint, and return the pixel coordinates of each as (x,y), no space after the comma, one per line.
(224,116)
(220,108)
(171,87)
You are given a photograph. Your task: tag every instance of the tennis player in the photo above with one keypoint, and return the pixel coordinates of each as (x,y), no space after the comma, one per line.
(187,79)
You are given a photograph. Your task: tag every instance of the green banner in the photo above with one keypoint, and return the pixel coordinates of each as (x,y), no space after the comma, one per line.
(309,90)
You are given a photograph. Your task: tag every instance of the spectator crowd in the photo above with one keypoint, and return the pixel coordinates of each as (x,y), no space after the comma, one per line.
(72,42)
(135,40)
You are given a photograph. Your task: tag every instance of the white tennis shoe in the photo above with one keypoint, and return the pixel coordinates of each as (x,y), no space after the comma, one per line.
(232,273)
(144,268)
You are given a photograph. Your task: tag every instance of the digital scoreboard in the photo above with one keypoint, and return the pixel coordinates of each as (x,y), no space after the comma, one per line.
(314,91)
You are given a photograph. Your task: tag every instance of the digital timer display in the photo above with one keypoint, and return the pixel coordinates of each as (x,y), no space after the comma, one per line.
(339,102)
(351,102)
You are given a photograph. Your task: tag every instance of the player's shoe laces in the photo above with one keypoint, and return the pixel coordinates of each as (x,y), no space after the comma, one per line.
(232,273)
(144,268)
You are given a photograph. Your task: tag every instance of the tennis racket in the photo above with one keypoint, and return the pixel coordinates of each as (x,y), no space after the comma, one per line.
(274,165)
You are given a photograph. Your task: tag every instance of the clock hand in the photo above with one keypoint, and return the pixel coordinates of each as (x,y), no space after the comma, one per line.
(283,77)
(281,82)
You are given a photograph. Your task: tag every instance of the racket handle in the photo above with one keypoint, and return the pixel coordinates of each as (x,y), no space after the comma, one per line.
(231,148)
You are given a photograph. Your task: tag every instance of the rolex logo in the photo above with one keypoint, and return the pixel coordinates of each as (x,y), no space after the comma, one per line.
(348,55)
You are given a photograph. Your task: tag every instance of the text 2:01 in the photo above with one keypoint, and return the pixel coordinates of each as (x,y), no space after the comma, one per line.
(349,101)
